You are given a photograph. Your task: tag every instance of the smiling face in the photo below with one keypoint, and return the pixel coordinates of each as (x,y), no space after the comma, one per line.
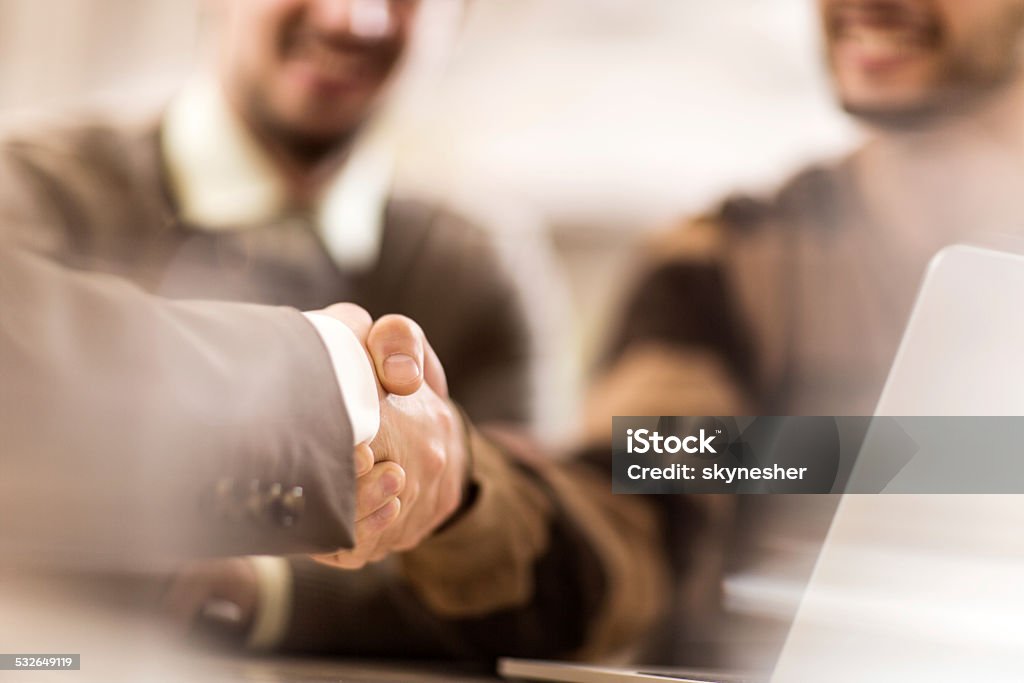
(307,72)
(901,61)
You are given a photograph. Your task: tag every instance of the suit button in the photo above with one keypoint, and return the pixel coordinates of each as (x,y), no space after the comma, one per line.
(287,507)
(253,501)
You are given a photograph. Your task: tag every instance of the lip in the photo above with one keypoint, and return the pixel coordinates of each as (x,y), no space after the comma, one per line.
(881,36)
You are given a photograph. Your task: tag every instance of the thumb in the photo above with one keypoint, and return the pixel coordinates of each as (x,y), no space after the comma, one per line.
(403,358)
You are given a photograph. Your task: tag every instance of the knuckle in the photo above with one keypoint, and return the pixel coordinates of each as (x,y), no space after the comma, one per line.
(445,418)
(435,459)
(393,478)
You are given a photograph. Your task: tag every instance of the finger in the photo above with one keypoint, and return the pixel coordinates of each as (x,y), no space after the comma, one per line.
(368,534)
(363,459)
(370,528)
(396,343)
(373,491)
(373,530)
(342,560)
(433,372)
(355,317)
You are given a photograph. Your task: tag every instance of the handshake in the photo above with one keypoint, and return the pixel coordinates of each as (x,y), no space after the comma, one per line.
(410,479)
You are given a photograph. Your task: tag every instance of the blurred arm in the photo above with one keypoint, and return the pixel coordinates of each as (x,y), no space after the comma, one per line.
(142,428)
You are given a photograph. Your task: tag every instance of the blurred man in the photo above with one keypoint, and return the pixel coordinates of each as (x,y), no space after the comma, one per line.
(795,304)
(250,187)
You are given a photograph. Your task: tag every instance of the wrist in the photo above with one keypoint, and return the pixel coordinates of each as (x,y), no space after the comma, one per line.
(469,489)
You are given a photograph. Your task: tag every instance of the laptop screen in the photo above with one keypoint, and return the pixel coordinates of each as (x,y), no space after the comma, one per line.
(930,587)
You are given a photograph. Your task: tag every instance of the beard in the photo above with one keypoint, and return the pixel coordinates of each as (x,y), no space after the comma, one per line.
(948,103)
(971,76)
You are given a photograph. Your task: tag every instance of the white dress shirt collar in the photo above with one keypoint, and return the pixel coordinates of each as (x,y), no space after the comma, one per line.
(222,179)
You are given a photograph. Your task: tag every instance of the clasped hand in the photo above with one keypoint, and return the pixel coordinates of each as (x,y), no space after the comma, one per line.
(410,478)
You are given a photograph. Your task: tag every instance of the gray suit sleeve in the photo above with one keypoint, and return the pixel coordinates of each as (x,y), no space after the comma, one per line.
(136,429)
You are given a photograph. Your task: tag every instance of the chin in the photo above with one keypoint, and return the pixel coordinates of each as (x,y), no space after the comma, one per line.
(919,108)
(890,98)
(890,117)
(325,128)
(323,122)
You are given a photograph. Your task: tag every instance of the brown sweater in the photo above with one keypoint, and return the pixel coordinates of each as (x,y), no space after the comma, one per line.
(790,305)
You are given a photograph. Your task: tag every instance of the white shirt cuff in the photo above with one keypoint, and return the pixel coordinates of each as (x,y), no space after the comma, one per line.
(273,604)
(356,379)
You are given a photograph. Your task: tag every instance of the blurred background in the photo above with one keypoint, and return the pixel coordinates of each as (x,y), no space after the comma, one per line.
(572,128)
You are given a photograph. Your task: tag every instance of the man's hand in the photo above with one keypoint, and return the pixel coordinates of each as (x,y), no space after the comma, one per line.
(424,435)
(402,360)
(420,442)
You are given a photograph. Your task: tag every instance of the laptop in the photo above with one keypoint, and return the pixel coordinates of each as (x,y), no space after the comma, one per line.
(912,587)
